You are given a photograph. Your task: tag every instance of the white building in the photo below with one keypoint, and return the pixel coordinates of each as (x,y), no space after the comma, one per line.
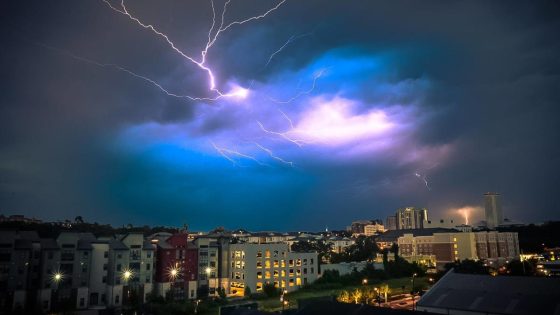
(254,265)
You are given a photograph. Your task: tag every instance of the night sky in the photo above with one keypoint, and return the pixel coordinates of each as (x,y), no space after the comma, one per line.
(340,110)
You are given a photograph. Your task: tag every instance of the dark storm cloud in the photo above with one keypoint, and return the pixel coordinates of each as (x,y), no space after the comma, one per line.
(479,80)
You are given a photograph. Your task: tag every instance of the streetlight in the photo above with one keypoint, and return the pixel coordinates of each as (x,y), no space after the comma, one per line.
(208,272)
(377,296)
(284,302)
(126,275)
(412,291)
(56,278)
(364,282)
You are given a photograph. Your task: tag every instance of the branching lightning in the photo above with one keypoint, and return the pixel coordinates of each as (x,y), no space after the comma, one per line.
(289,41)
(227,153)
(316,76)
(211,41)
(272,155)
(424,179)
(128,71)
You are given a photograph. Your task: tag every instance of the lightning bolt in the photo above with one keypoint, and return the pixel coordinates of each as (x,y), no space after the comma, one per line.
(128,71)
(211,40)
(227,153)
(316,76)
(272,155)
(289,41)
(424,179)
(284,135)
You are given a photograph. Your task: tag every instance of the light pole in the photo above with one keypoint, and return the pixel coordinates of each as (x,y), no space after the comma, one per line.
(377,296)
(173,275)
(208,272)
(56,278)
(282,299)
(126,275)
(412,291)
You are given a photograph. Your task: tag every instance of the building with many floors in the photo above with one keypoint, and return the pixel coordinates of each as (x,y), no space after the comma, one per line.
(254,265)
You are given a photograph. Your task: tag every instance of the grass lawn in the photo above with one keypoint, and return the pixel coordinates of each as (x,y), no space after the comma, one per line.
(273,304)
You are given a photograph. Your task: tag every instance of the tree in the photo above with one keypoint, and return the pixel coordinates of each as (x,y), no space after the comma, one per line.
(247,291)
(79,220)
(270,290)
(519,268)
(468,266)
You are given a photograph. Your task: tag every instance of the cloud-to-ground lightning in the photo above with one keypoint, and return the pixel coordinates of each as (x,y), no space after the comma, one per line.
(289,41)
(227,153)
(272,155)
(211,41)
(424,179)
(316,76)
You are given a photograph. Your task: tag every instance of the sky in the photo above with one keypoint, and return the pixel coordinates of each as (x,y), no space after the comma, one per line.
(302,114)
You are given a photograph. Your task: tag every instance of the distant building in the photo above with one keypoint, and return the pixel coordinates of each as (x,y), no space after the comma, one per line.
(443,247)
(411,218)
(254,265)
(493,210)
(366,227)
(442,223)
(391,223)
(457,293)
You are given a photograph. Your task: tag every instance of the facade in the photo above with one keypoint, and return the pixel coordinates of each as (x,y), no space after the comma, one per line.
(339,244)
(493,210)
(441,248)
(442,223)
(373,229)
(213,271)
(411,218)
(391,223)
(359,227)
(177,267)
(254,265)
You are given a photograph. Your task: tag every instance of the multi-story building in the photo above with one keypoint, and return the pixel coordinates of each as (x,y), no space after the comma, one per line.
(391,223)
(411,218)
(493,210)
(213,264)
(254,265)
(442,248)
(339,244)
(373,229)
(177,267)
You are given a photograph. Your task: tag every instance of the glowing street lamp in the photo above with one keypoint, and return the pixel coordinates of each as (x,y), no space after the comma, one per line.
(364,282)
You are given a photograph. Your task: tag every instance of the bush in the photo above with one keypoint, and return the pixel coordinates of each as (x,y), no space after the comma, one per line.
(270,290)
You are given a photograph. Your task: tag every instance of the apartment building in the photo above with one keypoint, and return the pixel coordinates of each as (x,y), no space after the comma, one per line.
(441,248)
(254,265)
(213,264)
(177,266)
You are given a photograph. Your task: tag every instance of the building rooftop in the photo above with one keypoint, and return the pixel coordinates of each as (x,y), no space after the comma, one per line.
(496,295)
(393,235)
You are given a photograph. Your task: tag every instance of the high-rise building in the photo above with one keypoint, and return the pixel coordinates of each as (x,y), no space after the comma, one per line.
(493,210)
(411,218)
(391,223)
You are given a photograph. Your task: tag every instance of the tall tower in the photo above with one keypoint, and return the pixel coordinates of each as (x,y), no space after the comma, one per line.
(493,210)
(411,218)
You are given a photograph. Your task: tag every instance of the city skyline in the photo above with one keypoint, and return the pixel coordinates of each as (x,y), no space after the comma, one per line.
(310,111)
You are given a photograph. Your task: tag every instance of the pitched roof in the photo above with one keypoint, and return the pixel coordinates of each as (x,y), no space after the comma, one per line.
(500,295)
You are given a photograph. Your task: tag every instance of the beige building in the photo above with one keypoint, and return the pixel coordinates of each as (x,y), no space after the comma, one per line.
(254,265)
(373,229)
(441,248)
(411,218)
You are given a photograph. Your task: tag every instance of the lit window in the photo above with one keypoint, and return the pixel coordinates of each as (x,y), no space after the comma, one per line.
(259,275)
(267,254)
(283,273)
(267,264)
(267,274)
(259,254)
(298,281)
(275,273)
(259,286)
(282,263)
(298,263)
(283,283)
(276,264)
(259,264)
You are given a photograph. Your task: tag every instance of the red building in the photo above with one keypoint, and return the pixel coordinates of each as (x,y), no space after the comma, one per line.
(176,266)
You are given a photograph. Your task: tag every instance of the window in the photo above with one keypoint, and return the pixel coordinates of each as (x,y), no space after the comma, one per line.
(298,281)
(147,279)
(275,253)
(267,264)
(50,256)
(291,263)
(117,299)
(291,272)
(275,273)
(149,254)
(267,253)
(283,283)
(305,261)
(119,256)
(104,266)
(276,264)
(259,254)
(267,275)
(283,273)
(291,282)
(148,266)
(282,263)
(104,280)
(259,275)
(298,263)
(82,302)
(312,261)
(304,271)
(312,270)
(106,254)
(259,286)
(119,267)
